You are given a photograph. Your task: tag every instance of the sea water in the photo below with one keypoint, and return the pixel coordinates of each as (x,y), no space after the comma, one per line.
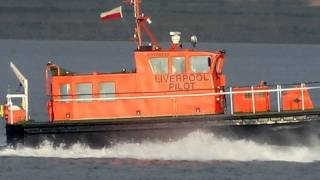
(199,155)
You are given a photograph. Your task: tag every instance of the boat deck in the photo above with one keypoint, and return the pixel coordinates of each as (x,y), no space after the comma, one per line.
(101,133)
(168,122)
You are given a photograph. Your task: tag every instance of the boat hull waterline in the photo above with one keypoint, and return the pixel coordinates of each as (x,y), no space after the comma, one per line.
(273,128)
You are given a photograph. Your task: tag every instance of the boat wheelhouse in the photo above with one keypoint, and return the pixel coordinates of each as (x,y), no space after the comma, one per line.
(164,83)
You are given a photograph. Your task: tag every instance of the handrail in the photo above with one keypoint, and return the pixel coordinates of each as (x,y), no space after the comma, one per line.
(190,94)
(10,105)
(279,90)
(211,93)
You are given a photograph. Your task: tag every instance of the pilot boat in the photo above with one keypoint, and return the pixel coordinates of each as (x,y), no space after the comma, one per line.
(171,91)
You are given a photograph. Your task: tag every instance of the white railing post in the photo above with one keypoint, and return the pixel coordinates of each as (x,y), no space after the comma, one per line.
(253,101)
(26,93)
(302,95)
(279,97)
(11,112)
(231,101)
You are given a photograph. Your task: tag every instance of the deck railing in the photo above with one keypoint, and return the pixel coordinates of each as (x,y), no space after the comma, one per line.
(276,93)
(279,90)
(23,98)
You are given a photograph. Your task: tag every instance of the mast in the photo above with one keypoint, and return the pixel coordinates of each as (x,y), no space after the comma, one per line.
(137,16)
(140,22)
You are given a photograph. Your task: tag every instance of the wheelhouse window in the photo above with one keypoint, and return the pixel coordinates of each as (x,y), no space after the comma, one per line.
(159,65)
(178,65)
(107,90)
(200,64)
(65,91)
(84,91)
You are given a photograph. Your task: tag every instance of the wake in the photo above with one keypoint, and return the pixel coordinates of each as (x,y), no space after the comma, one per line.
(197,146)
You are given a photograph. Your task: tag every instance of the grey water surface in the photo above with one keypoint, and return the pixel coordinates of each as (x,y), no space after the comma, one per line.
(130,169)
(245,64)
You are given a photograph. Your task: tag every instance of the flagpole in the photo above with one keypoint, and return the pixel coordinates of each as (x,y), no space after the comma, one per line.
(137,15)
(140,21)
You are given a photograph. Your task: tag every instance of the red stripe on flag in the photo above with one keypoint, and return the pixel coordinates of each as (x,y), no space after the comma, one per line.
(112,16)
(115,13)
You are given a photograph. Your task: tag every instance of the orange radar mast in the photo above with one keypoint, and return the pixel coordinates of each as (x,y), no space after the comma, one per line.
(141,25)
